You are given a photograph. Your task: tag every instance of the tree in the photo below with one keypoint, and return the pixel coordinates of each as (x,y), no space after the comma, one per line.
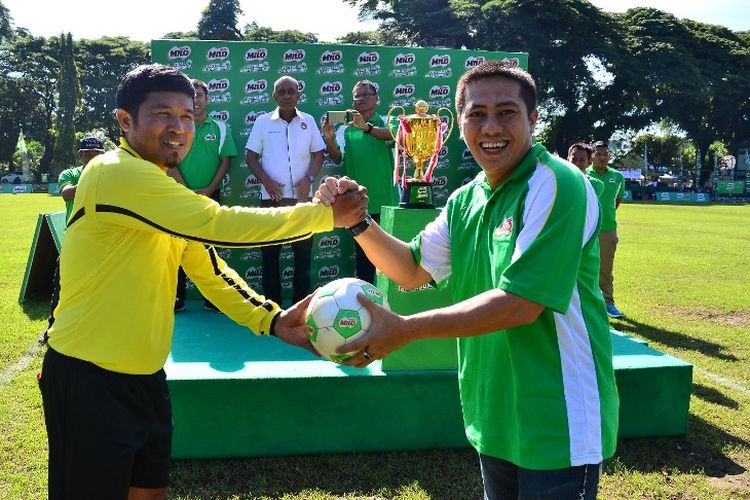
(103,62)
(219,21)
(6,22)
(265,34)
(69,99)
(375,37)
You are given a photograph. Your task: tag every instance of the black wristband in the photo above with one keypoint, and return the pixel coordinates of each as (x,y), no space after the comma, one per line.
(360,227)
(271,333)
(369,128)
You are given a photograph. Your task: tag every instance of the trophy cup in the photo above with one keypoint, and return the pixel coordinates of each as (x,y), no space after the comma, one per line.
(419,136)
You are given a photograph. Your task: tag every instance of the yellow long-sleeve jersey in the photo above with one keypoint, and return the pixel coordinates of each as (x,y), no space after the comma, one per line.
(132,227)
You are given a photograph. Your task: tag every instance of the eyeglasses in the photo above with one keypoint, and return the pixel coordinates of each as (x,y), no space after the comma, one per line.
(288,91)
(362,96)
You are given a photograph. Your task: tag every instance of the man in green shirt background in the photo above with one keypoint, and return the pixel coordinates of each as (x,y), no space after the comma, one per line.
(611,197)
(579,154)
(204,167)
(67,181)
(519,244)
(365,145)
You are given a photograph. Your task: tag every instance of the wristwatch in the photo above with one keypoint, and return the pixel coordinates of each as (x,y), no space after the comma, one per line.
(369,128)
(360,227)
(311,178)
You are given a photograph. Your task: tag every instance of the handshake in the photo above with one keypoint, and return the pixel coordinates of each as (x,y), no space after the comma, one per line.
(347,198)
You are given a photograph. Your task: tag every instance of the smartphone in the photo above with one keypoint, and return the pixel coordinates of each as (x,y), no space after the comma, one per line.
(336,117)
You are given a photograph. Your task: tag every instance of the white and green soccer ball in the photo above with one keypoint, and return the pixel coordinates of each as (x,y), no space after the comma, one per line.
(335,316)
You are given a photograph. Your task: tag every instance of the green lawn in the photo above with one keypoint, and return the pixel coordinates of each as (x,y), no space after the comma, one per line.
(682,279)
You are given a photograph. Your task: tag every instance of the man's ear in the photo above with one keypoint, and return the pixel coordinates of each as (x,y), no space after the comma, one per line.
(125,120)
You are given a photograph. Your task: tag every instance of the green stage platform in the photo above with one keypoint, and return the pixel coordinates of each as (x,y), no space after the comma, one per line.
(235,394)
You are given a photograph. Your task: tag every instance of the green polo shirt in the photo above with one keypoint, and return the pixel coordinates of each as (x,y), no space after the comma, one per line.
(597,185)
(69,177)
(543,395)
(200,164)
(614,189)
(369,161)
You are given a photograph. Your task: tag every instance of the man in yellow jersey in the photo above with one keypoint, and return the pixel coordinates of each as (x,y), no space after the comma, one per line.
(104,391)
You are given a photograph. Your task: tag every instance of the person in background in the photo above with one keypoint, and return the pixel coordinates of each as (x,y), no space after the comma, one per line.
(364,144)
(579,154)
(285,152)
(104,391)
(204,167)
(610,199)
(519,245)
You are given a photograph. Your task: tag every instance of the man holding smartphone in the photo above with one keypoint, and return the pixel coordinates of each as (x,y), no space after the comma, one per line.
(365,144)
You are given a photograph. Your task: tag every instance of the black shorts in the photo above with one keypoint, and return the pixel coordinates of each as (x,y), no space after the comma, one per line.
(107,431)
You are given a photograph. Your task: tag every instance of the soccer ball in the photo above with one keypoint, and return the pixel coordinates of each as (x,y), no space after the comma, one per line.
(335,316)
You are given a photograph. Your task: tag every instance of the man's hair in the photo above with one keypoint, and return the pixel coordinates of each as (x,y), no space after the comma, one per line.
(282,78)
(601,144)
(146,78)
(492,69)
(368,83)
(581,146)
(199,83)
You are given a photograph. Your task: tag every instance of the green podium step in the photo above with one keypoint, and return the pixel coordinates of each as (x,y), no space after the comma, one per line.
(235,394)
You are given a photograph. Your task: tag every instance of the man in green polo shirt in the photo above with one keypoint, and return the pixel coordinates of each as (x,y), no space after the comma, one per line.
(204,166)
(365,145)
(519,245)
(611,197)
(67,181)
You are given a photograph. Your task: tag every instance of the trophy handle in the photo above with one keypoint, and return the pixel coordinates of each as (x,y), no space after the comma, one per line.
(388,119)
(452,121)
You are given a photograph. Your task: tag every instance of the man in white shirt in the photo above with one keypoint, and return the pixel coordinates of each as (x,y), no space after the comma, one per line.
(285,152)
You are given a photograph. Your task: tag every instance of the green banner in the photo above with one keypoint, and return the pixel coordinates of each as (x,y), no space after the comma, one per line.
(240,78)
(682,197)
(730,187)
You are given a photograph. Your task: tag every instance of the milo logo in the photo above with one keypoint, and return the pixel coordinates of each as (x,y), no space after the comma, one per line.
(511,62)
(19,189)
(331,57)
(466,155)
(179,52)
(301,85)
(221,85)
(291,56)
(440,61)
(438,91)
(404,59)
(332,241)
(328,272)
(256,55)
(217,53)
(287,273)
(368,58)
(440,181)
(251,180)
(474,61)
(331,88)
(347,322)
(253,272)
(403,90)
(256,86)
(222,115)
(443,152)
(252,116)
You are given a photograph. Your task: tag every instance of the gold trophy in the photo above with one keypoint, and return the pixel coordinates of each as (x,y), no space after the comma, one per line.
(420,136)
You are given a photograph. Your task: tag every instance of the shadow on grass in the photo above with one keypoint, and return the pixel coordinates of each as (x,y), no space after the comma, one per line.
(36,308)
(674,339)
(711,395)
(441,474)
(699,451)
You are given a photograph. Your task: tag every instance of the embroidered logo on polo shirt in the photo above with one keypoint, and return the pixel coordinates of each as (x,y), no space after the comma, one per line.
(210,137)
(504,229)
(303,125)
(612,180)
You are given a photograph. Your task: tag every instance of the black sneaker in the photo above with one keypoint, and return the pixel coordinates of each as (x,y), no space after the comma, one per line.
(179,305)
(208,306)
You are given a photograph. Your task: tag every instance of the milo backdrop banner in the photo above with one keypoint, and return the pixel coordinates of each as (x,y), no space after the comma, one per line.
(240,78)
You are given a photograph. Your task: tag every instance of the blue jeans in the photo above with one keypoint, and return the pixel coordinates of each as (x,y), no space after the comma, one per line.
(504,480)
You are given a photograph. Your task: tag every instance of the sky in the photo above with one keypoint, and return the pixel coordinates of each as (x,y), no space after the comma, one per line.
(150,19)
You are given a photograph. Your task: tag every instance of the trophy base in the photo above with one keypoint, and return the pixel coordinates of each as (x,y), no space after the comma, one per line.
(417,194)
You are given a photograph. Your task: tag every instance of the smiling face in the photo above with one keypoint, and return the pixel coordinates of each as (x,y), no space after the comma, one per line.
(580,158)
(496,126)
(163,129)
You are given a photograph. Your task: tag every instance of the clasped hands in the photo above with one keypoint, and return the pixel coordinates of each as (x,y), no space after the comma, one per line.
(347,199)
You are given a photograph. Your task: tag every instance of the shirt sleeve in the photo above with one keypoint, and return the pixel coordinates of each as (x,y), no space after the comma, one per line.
(229,149)
(255,139)
(547,253)
(64,179)
(156,202)
(226,289)
(431,248)
(316,143)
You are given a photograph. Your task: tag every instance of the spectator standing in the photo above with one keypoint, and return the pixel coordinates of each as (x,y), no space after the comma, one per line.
(614,188)
(204,167)
(285,152)
(365,145)
(579,154)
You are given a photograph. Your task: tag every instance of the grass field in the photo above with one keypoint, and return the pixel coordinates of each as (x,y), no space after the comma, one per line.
(682,279)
